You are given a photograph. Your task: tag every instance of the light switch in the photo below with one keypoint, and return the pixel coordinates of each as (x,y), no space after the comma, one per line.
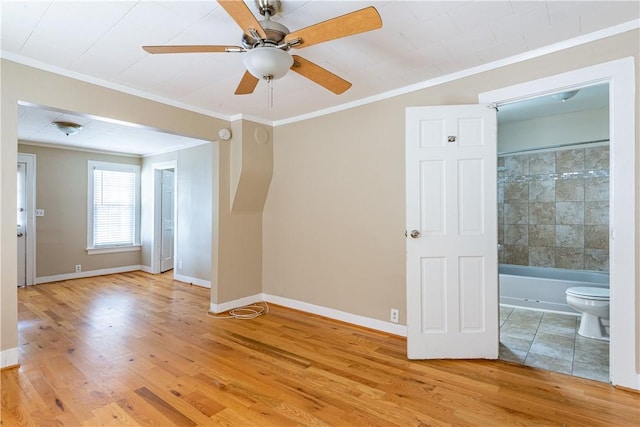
(39,212)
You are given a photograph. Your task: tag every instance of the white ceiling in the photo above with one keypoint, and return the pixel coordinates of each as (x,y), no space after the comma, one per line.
(587,98)
(100,42)
(99,134)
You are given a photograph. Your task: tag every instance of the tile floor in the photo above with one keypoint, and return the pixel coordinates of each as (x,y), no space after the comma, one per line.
(550,341)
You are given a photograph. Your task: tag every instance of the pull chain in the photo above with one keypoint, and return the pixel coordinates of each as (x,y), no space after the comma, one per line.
(270,93)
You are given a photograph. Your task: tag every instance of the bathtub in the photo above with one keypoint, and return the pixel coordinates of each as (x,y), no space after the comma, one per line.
(543,288)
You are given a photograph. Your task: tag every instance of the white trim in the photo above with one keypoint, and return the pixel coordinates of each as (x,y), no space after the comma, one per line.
(243,116)
(107,84)
(146,269)
(30,267)
(76,148)
(169,164)
(330,313)
(196,143)
(113,250)
(525,56)
(88,273)
(192,280)
(9,357)
(92,165)
(240,302)
(620,74)
(566,44)
(354,319)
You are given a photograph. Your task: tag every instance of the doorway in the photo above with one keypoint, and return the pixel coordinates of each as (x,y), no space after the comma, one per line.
(553,222)
(619,75)
(26,219)
(165,217)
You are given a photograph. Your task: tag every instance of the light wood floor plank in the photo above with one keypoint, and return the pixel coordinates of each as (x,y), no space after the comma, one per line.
(136,349)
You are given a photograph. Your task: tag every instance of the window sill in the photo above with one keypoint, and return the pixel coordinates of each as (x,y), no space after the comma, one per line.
(111,250)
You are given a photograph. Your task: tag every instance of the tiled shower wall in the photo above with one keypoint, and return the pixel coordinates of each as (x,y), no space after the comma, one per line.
(553,209)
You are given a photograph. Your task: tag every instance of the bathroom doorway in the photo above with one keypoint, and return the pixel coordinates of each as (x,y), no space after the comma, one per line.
(620,74)
(553,226)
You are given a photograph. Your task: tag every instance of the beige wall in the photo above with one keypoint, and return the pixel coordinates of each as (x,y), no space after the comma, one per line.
(582,126)
(194,206)
(244,183)
(22,83)
(252,166)
(237,277)
(61,190)
(333,227)
(334,218)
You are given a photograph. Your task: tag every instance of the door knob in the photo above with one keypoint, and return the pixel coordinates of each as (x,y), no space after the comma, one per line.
(415,234)
(20,234)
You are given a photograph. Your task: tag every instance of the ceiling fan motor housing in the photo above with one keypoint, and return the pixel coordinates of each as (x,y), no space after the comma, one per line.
(270,7)
(275,31)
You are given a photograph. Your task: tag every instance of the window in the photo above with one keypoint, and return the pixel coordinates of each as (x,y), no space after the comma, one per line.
(114,196)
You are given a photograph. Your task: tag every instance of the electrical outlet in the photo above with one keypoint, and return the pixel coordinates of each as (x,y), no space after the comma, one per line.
(179,265)
(395,315)
(78,268)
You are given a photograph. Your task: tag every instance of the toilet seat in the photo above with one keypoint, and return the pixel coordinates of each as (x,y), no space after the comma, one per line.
(599,294)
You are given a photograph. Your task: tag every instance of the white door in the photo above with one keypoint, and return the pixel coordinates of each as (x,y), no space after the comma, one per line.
(22,224)
(167,237)
(452,265)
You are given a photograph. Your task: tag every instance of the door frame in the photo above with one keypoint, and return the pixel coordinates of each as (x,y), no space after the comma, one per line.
(30,241)
(156,241)
(624,316)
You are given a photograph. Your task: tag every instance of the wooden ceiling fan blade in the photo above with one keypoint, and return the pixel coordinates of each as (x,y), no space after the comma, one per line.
(240,13)
(247,84)
(190,49)
(317,74)
(360,21)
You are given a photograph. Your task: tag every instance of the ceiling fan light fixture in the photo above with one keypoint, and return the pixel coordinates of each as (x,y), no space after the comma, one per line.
(68,128)
(266,62)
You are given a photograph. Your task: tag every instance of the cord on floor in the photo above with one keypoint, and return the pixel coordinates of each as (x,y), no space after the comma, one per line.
(243,313)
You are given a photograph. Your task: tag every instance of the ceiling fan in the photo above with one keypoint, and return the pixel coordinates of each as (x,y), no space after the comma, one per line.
(266,44)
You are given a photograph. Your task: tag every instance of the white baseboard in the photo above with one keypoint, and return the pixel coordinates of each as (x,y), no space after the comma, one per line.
(193,280)
(89,273)
(146,269)
(367,322)
(225,306)
(9,357)
(124,269)
(378,325)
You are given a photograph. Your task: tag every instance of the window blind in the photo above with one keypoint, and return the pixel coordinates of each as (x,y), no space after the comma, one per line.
(114,207)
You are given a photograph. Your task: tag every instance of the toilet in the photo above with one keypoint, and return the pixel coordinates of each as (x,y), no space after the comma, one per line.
(593,303)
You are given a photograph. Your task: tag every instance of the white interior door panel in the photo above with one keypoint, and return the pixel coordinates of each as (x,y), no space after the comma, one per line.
(452,266)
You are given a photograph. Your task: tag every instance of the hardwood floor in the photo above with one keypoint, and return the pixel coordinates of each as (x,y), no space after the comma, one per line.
(136,349)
